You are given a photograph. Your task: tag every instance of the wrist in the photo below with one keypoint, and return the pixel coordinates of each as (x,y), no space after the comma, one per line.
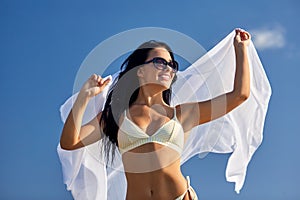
(83,97)
(241,48)
(240,45)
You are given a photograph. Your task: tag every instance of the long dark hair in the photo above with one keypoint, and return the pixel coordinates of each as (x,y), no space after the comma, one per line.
(125,92)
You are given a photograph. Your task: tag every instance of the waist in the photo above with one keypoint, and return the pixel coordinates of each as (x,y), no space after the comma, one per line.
(166,183)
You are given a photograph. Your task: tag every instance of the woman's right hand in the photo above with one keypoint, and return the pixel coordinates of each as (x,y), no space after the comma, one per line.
(74,134)
(94,85)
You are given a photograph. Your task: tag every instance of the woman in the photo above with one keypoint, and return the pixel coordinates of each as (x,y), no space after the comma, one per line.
(138,119)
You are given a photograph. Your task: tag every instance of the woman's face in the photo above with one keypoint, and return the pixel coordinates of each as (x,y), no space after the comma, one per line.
(149,74)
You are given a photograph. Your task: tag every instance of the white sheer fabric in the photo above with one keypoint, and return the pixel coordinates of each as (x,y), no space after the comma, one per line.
(239,132)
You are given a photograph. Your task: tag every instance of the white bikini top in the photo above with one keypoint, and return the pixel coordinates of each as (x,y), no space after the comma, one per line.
(131,136)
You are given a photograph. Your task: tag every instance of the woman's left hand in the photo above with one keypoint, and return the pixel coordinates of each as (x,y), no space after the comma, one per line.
(242,38)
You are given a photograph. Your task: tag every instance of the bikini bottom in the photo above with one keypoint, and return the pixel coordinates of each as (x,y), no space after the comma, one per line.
(190,191)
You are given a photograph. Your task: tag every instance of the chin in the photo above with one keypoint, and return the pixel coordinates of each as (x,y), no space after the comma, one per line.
(162,86)
(166,86)
(167,83)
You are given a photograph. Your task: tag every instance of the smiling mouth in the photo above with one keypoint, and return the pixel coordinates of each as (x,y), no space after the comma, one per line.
(165,77)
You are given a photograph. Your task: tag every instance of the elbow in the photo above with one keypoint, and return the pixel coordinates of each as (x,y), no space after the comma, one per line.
(240,96)
(235,99)
(68,147)
(64,147)
(243,96)
(67,144)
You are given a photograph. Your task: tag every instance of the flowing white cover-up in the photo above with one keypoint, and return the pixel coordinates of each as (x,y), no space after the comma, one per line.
(240,131)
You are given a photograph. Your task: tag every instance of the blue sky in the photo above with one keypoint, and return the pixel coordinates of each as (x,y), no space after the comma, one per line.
(43,44)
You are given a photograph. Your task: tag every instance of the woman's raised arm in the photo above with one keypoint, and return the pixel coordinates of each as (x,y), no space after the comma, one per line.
(209,110)
(74,135)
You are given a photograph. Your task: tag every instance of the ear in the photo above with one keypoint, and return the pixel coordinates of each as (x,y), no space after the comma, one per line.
(140,72)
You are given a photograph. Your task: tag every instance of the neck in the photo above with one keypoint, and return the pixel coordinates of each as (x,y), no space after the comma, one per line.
(150,96)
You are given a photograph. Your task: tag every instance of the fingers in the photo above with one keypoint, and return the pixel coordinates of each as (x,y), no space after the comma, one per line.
(238,35)
(99,80)
(242,35)
(248,35)
(106,81)
(95,77)
(245,35)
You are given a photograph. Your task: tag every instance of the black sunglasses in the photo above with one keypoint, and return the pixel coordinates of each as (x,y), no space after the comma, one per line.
(162,64)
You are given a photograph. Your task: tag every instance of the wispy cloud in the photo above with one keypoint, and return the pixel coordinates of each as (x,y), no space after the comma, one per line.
(268,38)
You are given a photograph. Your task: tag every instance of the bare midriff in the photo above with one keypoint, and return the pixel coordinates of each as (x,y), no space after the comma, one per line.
(153,172)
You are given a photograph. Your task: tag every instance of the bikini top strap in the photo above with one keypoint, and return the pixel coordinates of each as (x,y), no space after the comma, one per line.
(174,116)
(188,182)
